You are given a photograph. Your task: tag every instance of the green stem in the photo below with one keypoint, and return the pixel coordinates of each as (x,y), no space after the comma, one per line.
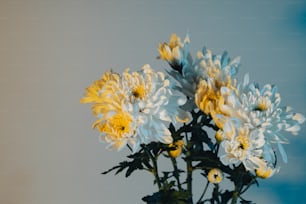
(189,178)
(130,148)
(176,173)
(248,186)
(205,189)
(155,168)
(235,196)
(189,169)
(217,149)
(236,193)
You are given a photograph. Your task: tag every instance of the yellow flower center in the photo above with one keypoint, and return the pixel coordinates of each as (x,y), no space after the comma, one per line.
(118,124)
(244,142)
(139,92)
(263,104)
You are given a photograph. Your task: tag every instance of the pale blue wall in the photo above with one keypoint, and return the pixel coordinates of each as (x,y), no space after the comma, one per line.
(51,50)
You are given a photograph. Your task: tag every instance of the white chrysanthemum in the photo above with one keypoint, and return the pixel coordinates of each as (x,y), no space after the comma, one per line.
(260,109)
(217,70)
(242,145)
(137,108)
(153,106)
(219,67)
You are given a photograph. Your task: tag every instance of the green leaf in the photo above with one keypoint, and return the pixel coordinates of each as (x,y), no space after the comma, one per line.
(216,194)
(241,176)
(171,128)
(138,161)
(226,196)
(200,136)
(120,167)
(133,165)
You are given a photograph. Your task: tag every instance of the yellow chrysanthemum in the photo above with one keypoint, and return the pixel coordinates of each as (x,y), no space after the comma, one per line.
(135,107)
(209,98)
(165,52)
(175,41)
(178,148)
(139,92)
(93,92)
(117,129)
(172,51)
(216,84)
(215,175)
(104,94)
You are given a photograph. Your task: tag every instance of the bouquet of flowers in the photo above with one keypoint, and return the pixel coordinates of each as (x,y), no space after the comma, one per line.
(196,114)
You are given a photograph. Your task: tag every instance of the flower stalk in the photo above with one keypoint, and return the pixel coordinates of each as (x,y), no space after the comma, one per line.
(203,193)
(176,173)
(155,167)
(189,177)
(235,196)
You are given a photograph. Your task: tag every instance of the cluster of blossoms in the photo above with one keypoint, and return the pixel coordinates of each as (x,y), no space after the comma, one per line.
(151,112)
(250,119)
(135,108)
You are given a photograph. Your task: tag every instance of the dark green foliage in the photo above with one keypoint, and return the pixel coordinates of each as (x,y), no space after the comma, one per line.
(200,154)
(226,196)
(140,160)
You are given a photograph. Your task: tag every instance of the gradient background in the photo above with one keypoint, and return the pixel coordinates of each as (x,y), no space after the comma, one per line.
(51,50)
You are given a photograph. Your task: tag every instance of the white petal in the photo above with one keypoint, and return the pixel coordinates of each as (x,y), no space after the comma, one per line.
(282,152)
(229,130)
(177,54)
(299,118)
(161,132)
(246,80)
(294,129)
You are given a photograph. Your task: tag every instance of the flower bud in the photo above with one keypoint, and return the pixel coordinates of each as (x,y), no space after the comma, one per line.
(265,172)
(219,136)
(215,175)
(178,149)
